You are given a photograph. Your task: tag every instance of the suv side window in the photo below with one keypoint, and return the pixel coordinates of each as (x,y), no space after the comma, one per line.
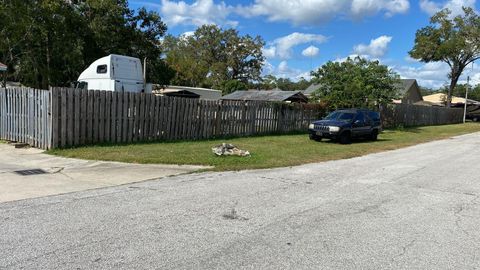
(360,117)
(368,118)
(374,115)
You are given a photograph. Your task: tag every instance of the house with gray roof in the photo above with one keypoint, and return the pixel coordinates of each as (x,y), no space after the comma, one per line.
(409,92)
(267,95)
(311,89)
(3,67)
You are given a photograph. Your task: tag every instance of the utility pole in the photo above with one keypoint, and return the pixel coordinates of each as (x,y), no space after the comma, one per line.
(466,97)
(466,100)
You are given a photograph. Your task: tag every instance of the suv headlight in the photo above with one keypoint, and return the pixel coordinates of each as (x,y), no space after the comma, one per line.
(334,129)
(311,126)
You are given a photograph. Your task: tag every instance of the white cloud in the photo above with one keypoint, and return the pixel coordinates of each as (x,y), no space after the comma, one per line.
(475,78)
(267,68)
(351,56)
(435,74)
(269,52)
(282,47)
(311,51)
(283,70)
(432,7)
(198,13)
(409,59)
(363,8)
(188,34)
(314,12)
(432,75)
(377,48)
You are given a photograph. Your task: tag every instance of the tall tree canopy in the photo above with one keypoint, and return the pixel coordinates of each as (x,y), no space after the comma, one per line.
(455,41)
(49,42)
(270,82)
(355,83)
(213,57)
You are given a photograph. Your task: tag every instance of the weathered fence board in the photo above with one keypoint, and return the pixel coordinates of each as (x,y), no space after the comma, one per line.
(413,115)
(128,117)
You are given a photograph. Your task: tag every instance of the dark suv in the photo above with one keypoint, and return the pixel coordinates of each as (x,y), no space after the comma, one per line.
(343,125)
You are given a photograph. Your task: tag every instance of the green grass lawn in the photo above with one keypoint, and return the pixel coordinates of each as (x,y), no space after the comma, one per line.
(266,151)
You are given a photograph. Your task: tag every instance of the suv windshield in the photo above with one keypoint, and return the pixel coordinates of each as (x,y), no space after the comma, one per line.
(341,116)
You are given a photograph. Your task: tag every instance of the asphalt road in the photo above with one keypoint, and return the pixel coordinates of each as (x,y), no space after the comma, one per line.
(414,208)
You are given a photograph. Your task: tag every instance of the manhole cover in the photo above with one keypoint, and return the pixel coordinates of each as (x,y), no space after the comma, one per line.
(30,172)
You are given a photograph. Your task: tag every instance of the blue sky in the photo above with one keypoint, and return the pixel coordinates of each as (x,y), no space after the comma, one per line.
(301,35)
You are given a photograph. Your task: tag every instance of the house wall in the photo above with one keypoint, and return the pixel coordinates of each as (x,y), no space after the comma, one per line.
(412,95)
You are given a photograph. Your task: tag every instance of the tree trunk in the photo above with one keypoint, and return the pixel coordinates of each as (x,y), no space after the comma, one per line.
(455,75)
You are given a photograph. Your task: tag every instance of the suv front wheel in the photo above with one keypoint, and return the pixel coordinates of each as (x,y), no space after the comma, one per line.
(345,138)
(315,137)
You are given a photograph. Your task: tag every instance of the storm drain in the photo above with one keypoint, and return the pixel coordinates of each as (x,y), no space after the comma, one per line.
(30,172)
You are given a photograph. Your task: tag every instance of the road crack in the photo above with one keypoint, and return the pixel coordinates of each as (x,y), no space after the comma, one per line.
(404,250)
(457,212)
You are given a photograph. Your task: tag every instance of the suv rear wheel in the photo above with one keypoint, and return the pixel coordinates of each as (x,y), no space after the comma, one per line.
(345,138)
(374,135)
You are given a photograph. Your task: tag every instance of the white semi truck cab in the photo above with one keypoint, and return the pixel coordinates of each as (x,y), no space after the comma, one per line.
(114,73)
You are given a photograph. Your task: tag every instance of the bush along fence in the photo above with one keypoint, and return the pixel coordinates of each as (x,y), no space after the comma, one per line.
(81,117)
(63,117)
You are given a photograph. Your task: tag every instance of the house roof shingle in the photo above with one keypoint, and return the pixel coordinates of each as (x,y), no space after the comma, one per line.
(405,85)
(312,88)
(271,95)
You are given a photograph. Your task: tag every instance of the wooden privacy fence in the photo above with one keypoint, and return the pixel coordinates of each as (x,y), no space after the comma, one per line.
(86,117)
(416,115)
(67,117)
(25,116)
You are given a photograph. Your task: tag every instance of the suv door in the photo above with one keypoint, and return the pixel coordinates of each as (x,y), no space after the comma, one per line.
(362,125)
(369,124)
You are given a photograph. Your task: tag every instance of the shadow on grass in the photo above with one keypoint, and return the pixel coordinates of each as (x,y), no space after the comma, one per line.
(356,141)
(404,129)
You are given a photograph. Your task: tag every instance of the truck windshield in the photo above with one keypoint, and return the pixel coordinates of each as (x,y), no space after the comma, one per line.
(341,116)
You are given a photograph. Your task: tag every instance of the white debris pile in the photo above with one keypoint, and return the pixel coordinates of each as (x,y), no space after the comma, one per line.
(227,149)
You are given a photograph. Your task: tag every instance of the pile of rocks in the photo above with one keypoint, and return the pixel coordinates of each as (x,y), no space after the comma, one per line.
(227,149)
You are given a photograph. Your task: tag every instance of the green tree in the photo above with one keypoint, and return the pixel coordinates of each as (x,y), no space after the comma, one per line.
(213,56)
(450,40)
(355,83)
(302,84)
(49,42)
(285,84)
(270,82)
(425,91)
(41,46)
(234,85)
(460,89)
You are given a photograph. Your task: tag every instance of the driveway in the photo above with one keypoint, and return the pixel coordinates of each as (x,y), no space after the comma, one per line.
(18,178)
(413,208)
